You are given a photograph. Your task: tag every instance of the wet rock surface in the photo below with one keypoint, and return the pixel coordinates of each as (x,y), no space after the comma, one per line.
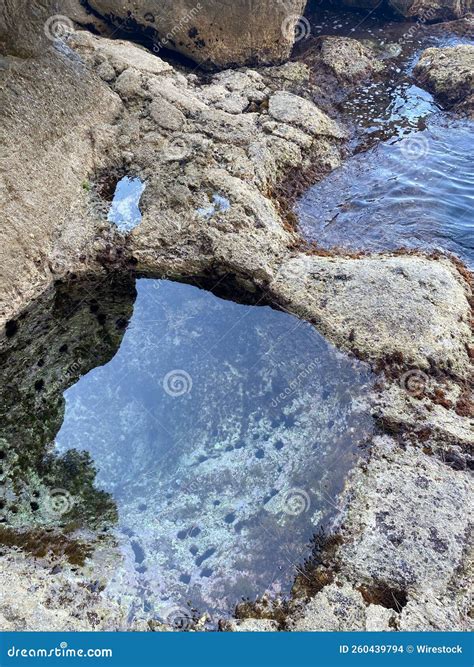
(348,59)
(449,74)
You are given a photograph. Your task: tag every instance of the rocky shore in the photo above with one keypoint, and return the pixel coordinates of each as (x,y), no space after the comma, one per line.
(80,112)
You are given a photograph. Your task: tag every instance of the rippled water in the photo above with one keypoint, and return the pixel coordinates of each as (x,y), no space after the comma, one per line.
(223,434)
(411,183)
(417,192)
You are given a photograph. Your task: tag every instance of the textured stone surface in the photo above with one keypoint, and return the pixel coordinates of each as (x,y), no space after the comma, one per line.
(250,625)
(449,74)
(423,547)
(21,26)
(35,599)
(211,32)
(46,213)
(405,545)
(337,607)
(291,109)
(347,298)
(222,152)
(349,60)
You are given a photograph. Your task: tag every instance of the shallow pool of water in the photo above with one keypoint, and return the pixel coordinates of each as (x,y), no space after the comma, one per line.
(224,434)
(415,192)
(124,211)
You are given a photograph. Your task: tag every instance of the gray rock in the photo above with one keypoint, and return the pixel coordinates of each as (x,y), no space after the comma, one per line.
(420,550)
(449,74)
(347,297)
(337,607)
(129,83)
(349,60)
(166,115)
(250,625)
(294,110)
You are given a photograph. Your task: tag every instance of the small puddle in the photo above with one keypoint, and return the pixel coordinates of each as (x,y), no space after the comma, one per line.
(221,435)
(124,211)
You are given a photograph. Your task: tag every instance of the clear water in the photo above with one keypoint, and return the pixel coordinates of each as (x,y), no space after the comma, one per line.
(417,192)
(224,434)
(391,104)
(410,183)
(124,211)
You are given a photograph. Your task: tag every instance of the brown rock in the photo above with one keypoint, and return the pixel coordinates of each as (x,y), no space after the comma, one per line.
(214,33)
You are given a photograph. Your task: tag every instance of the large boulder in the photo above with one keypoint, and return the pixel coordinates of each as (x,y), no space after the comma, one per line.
(432,10)
(214,33)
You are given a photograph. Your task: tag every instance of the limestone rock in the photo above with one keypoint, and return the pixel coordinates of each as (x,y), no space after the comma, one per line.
(22,26)
(289,108)
(66,123)
(34,599)
(348,300)
(349,60)
(119,54)
(432,517)
(337,607)
(249,625)
(448,73)
(166,115)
